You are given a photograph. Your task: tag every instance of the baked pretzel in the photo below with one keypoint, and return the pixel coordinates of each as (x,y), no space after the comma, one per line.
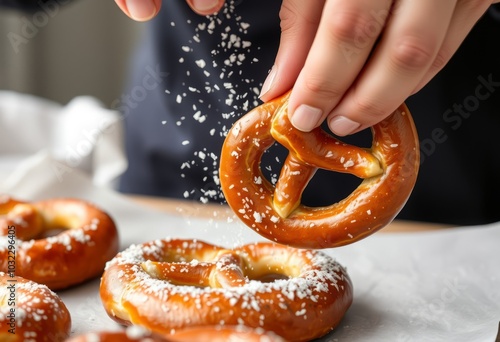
(388,169)
(131,334)
(197,334)
(86,238)
(167,285)
(219,333)
(31,312)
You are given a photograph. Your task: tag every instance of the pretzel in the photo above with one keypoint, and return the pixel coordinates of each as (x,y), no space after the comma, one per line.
(86,238)
(172,284)
(225,333)
(197,334)
(131,334)
(388,169)
(31,312)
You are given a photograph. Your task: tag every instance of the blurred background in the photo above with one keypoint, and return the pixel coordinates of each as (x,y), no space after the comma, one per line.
(67,49)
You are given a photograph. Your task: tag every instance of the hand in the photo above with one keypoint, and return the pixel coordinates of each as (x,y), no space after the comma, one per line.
(143,10)
(354,62)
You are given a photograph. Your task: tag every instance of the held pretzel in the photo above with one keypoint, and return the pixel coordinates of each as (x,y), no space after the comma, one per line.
(86,238)
(171,285)
(389,171)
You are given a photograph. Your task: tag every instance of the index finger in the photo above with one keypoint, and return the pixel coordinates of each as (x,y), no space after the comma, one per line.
(343,42)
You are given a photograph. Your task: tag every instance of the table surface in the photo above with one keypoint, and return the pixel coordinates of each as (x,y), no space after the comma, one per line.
(220,211)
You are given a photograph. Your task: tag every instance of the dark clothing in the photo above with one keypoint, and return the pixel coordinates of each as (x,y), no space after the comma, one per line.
(191,81)
(458,118)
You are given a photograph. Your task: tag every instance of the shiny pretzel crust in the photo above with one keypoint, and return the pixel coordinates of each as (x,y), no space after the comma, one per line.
(87,240)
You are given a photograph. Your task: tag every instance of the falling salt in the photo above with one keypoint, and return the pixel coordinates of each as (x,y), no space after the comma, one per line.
(200,63)
(239,90)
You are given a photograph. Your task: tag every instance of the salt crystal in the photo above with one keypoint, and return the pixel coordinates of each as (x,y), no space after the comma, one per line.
(200,63)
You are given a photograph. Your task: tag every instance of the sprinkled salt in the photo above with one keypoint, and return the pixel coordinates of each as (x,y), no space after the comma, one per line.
(236,90)
(200,63)
(257,216)
(349,163)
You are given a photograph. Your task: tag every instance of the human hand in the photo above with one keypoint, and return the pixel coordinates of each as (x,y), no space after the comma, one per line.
(143,10)
(354,62)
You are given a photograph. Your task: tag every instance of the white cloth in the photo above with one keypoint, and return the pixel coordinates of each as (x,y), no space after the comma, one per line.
(81,135)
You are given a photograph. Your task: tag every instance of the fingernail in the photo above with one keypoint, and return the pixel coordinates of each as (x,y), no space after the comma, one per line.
(305,117)
(342,126)
(268,82)
(141,10)
(205,5)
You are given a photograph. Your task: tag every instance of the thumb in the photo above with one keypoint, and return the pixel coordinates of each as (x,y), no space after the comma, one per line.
(205,7)
(139,10)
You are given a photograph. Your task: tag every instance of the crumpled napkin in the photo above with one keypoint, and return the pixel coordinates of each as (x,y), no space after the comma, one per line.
(81,135)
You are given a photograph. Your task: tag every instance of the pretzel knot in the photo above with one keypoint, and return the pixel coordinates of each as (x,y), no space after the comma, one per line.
(223,272)
(389,170)
(171,285)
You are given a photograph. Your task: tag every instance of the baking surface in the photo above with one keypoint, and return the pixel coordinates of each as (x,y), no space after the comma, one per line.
(439,285)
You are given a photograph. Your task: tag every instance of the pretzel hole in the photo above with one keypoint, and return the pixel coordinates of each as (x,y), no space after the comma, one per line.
(271,277)
(50,232)
(270,268)
(266,273)
(55,225)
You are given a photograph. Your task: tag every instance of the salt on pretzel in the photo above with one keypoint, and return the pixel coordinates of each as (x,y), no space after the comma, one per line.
(86,238)
(167,285)
(31,312)
(197,334)
(388,169)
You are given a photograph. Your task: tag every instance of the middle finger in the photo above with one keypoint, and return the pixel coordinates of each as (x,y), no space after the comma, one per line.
(346,34)
(407,49)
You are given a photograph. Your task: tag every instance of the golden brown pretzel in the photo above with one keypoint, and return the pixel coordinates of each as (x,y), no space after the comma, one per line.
(225,333)
(31,312)
(131,334)
(197,334)
(389,171)
(167,285)
(86,239)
